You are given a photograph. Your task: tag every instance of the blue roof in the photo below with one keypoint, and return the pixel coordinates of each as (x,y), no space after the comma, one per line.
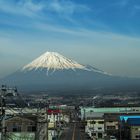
(132,120)
(125,118)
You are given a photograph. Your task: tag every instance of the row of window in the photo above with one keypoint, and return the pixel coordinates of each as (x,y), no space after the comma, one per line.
(29,129)
(97,122)
(99,135)
(137,136)
(111,127)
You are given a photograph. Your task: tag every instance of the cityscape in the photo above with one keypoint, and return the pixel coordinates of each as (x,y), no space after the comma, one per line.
(69,70)
(69,117)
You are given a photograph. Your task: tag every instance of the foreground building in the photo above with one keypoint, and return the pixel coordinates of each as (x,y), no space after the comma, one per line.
(20,127)
(95,125)
(130,127)
(111,124)
(104,123)
(34,124)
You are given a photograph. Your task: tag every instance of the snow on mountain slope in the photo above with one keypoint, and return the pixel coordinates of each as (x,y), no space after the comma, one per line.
(53,60)
(62,74)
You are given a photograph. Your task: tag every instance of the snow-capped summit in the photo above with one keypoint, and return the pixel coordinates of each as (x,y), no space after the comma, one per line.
(54,72)
(54,61)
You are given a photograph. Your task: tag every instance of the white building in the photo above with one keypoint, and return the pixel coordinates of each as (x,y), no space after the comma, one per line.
(95,126)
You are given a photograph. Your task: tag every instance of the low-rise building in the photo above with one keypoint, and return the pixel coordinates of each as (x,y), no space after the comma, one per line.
(111,121)
(95,126)
(20,127)
(107,110)
(111,124)
(130,127)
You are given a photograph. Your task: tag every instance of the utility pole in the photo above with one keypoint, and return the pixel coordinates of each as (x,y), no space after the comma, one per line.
(120,131)
(3,120)
(4,92)
(42,123)
(37,123)
(46,122)
(3,115)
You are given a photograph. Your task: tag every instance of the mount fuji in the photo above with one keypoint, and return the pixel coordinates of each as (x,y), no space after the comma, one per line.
(52,71)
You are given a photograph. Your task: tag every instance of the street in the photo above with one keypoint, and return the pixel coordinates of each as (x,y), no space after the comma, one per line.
(74,132)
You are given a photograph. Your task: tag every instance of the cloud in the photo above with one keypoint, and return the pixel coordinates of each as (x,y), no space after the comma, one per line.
(135,10)
(66,7)
(49,12)
(100,45)
(23,8)
(31,8)
(30,5)
(121,3)
(51,15)
(137,7)
(64,25)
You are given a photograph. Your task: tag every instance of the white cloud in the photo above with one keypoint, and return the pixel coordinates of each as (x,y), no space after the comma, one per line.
(66,7)
(137,7)
(121,3)
(108,51)
(30,5)
(30,8)
(24,8)
(31,12)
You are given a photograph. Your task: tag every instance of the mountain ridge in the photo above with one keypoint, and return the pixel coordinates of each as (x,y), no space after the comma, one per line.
(52,71)
(55,61)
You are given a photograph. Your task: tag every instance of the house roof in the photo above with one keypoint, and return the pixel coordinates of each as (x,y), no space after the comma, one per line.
(53,111)
(29,117)
(131,120)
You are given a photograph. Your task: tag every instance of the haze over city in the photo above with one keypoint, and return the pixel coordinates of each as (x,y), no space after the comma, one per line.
(104,34)
(69,69)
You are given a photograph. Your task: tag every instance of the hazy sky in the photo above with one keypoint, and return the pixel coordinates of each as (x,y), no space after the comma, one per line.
(102,33)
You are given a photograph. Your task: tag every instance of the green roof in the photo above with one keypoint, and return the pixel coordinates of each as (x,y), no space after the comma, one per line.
(111,110)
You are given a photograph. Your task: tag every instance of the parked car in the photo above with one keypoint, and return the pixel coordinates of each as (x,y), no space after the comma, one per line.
(113,138)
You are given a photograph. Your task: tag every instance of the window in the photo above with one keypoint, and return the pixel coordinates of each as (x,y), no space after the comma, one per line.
(94,134)
(101,122)
(31,128)
(137,136)
(99,128)
(111,127)
(100,135)
(16,128)
(93,122)
(31,123)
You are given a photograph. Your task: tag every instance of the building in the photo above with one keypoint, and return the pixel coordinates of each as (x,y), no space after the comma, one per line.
(130,127)
(95,126)
(56,120)
(107,110)
(20,127)
(111,124)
